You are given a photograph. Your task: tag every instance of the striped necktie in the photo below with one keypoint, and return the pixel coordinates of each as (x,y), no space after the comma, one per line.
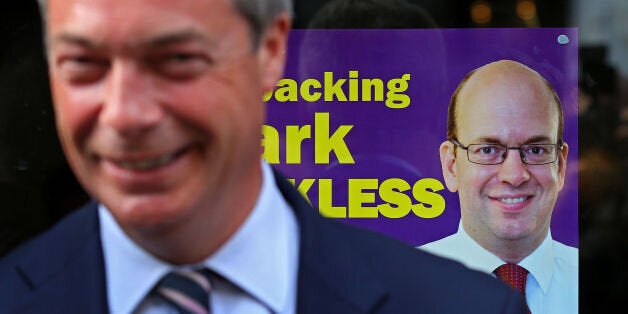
(186,290)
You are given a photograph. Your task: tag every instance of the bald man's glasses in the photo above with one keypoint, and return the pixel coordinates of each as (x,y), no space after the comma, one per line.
(494,154)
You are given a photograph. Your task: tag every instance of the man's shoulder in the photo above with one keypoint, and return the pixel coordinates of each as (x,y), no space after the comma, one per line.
(45,249)
(345,264)
(380,249)
(65,262)
(327,238)
(418,278)
(565,254)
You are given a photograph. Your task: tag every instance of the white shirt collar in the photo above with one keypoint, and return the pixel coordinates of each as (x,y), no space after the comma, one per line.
(261,257)
(540,264)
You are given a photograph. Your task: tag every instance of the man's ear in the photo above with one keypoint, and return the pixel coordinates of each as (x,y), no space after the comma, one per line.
(562,165)
(447,162)
(272,50)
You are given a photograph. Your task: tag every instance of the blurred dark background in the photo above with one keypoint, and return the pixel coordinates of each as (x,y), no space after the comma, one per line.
(37,187)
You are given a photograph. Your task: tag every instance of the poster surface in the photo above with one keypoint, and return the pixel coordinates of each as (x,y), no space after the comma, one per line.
(359,116)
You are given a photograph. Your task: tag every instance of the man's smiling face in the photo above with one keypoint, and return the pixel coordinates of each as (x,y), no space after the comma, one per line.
(158,103)
(508,104)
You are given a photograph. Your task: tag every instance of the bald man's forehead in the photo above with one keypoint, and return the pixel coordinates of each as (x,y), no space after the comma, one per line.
(508,76)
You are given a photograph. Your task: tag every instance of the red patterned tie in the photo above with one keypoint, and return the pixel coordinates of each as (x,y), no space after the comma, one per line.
(515,276)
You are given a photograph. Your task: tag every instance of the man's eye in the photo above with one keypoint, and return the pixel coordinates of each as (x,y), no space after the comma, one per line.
(181,57)
(536,150)
(181,65)
(488,150)
(82,69)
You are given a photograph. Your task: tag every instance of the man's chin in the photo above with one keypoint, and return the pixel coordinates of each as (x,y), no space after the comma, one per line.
(512,233)
(146,214)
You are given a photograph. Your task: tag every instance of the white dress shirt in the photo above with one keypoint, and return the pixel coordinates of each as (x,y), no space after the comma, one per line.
(261,258)
(552,282)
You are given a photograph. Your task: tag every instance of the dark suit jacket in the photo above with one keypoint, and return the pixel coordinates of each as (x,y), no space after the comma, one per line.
(342,270)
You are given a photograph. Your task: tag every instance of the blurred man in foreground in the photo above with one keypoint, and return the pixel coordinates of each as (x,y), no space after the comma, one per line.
(158,108)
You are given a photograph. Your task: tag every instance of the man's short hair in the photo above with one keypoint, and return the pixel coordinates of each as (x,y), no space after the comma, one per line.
(258,13)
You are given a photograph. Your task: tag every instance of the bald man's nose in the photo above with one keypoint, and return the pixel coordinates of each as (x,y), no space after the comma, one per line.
(513,170)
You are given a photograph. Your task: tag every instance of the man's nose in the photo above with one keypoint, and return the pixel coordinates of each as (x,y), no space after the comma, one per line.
(130,104)
(513,170)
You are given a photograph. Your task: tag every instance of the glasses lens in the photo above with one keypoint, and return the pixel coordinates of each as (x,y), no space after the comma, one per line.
(486,154)
(539,153)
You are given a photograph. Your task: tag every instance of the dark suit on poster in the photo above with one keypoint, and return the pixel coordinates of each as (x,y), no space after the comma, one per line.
(341,270)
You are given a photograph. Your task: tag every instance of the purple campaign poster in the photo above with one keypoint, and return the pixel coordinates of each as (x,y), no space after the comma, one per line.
(360,114)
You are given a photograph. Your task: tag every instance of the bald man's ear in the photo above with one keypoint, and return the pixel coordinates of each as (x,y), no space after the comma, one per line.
(562,165)
(447,162)
(272,50)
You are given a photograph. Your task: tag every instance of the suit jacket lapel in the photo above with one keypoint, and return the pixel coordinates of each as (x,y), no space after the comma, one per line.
(67,272)
(331,278)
